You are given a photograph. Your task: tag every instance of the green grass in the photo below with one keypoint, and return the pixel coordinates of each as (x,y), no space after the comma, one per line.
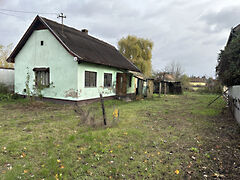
(152,139)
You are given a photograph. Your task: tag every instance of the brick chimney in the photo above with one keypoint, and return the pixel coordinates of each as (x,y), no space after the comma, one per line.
(85,31)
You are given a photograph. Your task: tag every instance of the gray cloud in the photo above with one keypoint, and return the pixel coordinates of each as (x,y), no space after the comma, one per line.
(185,31)
(220,20)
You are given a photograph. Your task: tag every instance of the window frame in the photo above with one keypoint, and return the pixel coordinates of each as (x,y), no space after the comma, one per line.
(89,84)
(106,82)
(45,72)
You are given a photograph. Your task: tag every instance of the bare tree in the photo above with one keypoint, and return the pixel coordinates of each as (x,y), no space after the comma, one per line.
(175,69)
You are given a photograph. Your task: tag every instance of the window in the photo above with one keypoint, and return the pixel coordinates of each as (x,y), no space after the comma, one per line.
(90,79)
(41,43)
(42,76)
(107,79)
(130,81)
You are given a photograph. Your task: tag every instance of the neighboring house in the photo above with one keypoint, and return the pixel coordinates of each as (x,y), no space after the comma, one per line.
(7,77)
(197,83)
(234,32)
(68,64)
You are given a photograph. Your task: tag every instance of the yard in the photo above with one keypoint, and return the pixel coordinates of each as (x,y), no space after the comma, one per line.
(172,137)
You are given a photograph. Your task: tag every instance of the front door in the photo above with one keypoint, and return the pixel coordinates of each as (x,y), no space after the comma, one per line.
(121,86)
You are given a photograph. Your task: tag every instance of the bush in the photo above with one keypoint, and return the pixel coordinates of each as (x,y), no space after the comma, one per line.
(9,96)
(4,89)
(5,93)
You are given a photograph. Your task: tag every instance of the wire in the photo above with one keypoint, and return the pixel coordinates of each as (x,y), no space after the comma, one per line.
(9,14)
(29,12)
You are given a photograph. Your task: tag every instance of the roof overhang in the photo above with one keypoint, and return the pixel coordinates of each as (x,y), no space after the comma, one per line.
(137,75)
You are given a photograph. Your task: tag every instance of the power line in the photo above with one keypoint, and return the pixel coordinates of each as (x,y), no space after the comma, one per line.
(9,14)
(29,12)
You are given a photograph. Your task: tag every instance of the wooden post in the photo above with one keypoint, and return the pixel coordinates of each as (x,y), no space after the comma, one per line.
(160,88)
(165,88)
(103,110)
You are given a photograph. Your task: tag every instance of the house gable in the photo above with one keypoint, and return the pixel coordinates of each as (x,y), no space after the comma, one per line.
(62,68)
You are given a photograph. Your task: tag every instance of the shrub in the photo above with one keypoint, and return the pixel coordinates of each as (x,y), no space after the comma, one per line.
(4,89)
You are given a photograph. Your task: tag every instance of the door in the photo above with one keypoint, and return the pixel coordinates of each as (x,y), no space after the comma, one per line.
(121,86)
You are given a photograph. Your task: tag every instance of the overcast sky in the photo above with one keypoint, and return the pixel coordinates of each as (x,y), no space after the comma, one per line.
(185,31)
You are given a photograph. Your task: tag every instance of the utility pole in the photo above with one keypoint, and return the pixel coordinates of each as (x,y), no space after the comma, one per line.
(61,16)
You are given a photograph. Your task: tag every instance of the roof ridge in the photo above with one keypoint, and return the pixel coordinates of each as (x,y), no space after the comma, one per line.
(87,48)
(236,26)
(100,41)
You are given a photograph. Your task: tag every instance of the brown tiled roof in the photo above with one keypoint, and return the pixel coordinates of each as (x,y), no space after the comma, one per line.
(79,44)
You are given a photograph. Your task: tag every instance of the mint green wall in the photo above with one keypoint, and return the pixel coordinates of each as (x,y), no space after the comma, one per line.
(93,92)
(66,75)
(63,70)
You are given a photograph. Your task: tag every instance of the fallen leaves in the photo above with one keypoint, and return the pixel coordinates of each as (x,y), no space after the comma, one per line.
(9,166)
(177,171)
(23,155)
(25,171)
(218,175)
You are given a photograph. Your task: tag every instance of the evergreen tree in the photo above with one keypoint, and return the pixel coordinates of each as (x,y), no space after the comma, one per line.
(228,68)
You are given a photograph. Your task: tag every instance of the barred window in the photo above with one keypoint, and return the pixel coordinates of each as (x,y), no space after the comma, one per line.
(90,79)
(107,79)
(42,76)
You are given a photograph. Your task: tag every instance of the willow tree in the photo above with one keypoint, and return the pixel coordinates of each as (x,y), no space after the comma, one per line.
(138,51)
(4,53)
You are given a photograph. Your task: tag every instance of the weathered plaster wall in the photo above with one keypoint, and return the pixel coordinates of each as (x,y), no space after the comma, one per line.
(93,92)
(234,101)
(63,70)
(7,77)
(67,77)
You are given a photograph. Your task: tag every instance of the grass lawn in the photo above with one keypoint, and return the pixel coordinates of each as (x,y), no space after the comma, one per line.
(172,137)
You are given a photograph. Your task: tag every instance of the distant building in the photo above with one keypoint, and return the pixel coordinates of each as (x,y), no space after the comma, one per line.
(167,83)
(197,83)
(7,77)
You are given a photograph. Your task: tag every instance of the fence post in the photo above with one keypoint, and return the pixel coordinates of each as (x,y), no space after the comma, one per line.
(103,109)
(165,88)
(160,88)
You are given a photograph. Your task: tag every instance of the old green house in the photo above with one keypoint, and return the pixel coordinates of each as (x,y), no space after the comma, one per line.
(66,64)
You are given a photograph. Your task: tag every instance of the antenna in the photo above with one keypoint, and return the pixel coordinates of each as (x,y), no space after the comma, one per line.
(61,16)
